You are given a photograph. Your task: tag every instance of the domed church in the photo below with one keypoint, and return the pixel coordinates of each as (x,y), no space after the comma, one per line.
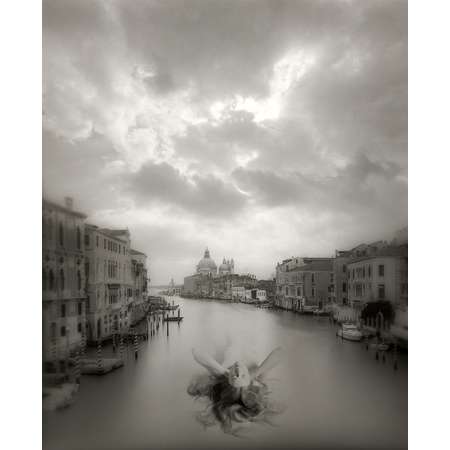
(207,266)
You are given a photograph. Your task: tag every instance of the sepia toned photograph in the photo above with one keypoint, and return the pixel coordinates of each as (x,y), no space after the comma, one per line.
(224,224)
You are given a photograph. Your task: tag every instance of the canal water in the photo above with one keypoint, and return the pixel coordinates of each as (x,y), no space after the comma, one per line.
(336,394)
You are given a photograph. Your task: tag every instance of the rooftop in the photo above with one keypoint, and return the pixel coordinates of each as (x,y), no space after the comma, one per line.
(317,266)
(135,252)
(65,209)
(399,251)
(113,234)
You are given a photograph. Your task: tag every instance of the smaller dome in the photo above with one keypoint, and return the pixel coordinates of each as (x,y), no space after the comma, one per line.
(227,267)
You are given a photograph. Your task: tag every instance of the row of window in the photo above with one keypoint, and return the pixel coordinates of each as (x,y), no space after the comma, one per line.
(105,318)
(359,290)
(63,309)
(107,245)
(360,272)
(63,330)
(112,246)
(127,292)
(298,291)
(112,269)
(48,280)
(47,230)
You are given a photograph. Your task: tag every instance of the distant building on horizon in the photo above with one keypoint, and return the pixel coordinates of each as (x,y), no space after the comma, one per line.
(212,282)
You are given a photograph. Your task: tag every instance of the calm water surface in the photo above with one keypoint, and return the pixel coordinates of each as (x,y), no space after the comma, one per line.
(337,396)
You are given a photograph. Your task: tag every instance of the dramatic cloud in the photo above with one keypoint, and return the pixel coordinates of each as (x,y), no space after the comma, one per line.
(199,195)
(262,129)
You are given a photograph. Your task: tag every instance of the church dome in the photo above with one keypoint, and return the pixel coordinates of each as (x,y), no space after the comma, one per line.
(206,264)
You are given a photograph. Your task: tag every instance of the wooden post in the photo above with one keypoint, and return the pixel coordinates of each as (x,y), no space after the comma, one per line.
(55,355)
(121,349)
(77,367)
(114,342)
(135,344)
(99,357)
(167,323)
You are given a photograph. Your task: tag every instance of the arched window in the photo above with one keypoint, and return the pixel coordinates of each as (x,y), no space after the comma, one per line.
(44,280)
(61,234)
(79,280)
(51,281)
(61,279)
(78,238)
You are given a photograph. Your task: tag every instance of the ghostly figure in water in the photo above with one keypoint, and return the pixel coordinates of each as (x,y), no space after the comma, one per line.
(235,394)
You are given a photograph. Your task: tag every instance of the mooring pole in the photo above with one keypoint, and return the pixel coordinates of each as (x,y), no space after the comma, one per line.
(77,367)
(99,357)
(135,344)
(55,355)
(121,349)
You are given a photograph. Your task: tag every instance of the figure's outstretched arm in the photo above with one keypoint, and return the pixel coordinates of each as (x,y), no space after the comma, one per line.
(269,363)
(209,363)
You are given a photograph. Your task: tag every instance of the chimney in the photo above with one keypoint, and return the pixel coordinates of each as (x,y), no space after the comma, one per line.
(68,202)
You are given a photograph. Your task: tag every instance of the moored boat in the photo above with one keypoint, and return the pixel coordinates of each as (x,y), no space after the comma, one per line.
(173,319)
(321,312)
(381,347)
(350,332)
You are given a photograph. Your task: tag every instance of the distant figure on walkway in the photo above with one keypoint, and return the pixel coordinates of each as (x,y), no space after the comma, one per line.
(235,394)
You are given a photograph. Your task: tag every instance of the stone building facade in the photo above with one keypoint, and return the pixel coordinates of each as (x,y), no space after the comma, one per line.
(340,294)
(304,284)
(140,282)
(63,279)
(110,283)
(379,276)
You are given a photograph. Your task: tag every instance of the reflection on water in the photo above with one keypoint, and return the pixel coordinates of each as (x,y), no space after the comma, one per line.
(336,394)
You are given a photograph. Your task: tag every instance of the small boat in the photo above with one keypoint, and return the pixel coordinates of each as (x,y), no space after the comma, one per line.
(321,312)
(264,306)
(350,332)
(381,347)
(173,319)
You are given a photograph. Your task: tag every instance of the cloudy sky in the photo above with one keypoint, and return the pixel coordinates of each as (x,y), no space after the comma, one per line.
(261,129)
